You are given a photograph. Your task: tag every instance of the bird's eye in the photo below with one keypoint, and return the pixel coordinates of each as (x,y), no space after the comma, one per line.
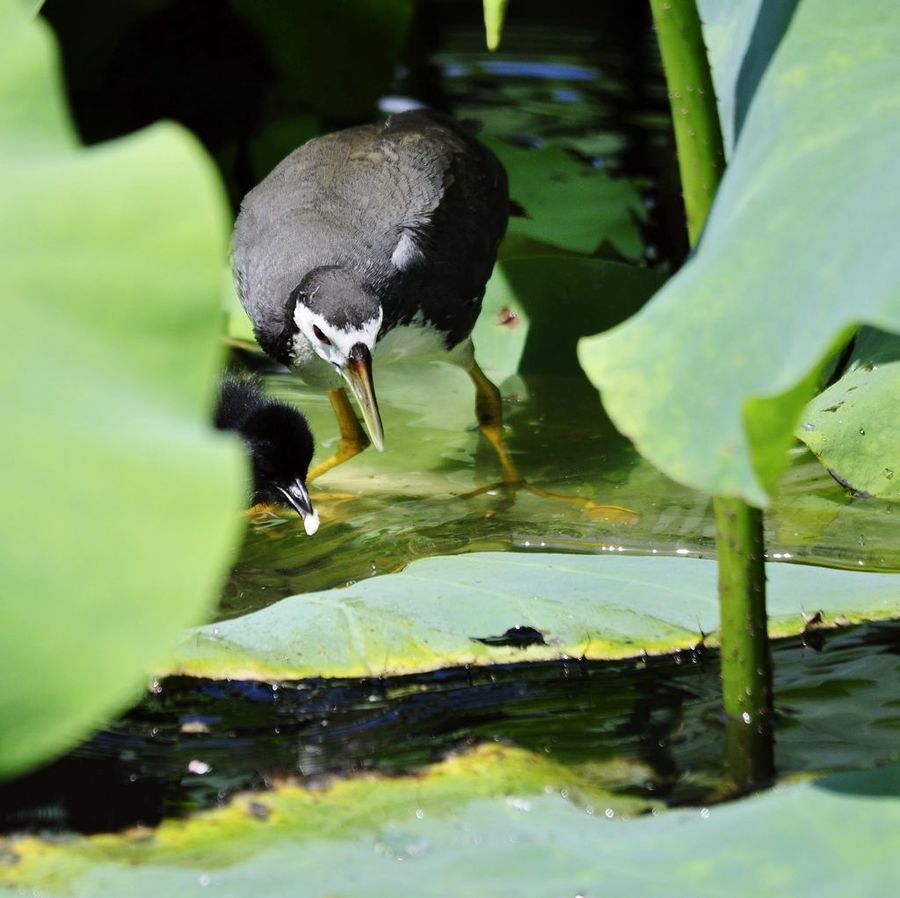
(320,335)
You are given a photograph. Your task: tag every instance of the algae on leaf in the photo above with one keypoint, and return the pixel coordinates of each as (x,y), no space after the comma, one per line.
(496,821)
(121,502)
(438,611)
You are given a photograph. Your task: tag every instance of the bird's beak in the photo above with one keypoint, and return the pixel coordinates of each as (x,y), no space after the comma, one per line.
(298,498)
(358,374)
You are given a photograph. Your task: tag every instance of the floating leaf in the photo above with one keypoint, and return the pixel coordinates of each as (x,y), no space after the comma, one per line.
(442,612)
(853,427)
(535,309)
(493,822)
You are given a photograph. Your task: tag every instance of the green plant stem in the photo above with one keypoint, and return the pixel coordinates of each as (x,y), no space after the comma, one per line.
(745,658)
(698,136)
(746,665)
(746,675)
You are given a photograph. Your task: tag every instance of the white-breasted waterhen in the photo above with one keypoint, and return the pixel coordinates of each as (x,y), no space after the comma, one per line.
(375,242)
(278,441)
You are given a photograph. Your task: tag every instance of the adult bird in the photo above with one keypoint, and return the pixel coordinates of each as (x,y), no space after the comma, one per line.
(372,245)
(278,442)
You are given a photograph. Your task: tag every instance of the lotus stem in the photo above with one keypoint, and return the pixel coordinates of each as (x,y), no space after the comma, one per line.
(746,665)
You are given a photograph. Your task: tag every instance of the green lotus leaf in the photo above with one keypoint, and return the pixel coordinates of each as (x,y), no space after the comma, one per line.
(493,822)
(121,502)
(710,378)
(569,204)
(488,607)
(536,308)
(741,37)
(852,426)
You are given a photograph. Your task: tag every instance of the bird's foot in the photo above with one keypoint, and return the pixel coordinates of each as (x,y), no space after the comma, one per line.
(265,519)
(615,514)
(599,511)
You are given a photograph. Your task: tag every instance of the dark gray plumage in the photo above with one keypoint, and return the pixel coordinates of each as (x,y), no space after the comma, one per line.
(383,234)
(414,207)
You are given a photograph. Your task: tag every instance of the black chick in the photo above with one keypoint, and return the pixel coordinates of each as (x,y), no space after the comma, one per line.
(279,444)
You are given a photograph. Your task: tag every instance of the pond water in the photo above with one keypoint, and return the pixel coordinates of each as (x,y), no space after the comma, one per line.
(381,511)
(647,727)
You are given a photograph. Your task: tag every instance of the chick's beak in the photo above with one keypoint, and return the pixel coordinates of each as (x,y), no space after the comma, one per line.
(358,374)
(297,497)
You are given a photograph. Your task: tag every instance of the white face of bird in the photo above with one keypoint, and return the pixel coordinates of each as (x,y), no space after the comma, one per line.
(333,344)
(349,351)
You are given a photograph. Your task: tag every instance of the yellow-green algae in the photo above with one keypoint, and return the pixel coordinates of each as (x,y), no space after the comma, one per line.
(335,809)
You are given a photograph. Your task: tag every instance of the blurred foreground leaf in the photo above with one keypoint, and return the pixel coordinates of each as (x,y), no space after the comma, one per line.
(710,378)
(120,502)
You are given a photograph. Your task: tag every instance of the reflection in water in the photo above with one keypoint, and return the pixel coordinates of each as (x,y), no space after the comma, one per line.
(648,728)
(381,511)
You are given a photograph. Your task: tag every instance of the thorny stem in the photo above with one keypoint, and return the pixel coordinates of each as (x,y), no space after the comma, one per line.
(746,664)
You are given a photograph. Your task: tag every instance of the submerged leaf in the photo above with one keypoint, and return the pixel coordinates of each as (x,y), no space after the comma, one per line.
(569,204)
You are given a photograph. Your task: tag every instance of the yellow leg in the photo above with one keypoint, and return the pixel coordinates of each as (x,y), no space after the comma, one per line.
(489,410)
(353,437)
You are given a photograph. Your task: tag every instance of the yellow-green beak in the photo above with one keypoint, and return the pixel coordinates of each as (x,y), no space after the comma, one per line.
(358,374)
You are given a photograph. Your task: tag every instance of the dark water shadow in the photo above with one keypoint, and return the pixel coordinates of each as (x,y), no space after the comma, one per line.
(882,782)
(644,727)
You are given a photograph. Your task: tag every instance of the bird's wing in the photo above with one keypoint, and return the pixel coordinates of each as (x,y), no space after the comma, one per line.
(379,199)
(456,216)
(458,185)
